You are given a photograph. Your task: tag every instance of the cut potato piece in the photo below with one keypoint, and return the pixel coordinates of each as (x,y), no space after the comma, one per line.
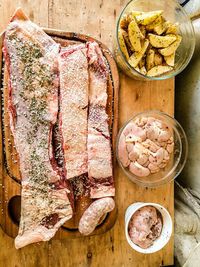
(123,45)
(143,70)
(172,28)
(150,59)
(155,23)
(123,23)
(142,30)
(170,59)
(158,59)
(148,17)
(137,68)
(158,70)
(172,48)
(159,29)
(160,41)
(137,56)
(127,41)
(134,35)
(142,62)
(132,15)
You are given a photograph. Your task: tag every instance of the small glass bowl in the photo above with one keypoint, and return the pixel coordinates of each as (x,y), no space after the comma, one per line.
(177,158)
(172,12)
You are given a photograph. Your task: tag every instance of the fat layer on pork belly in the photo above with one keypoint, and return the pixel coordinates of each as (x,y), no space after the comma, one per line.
(31,59)
(73,67)
(98,144)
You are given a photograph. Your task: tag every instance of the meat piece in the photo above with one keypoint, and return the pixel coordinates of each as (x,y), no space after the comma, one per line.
(152,132)
(128,129)
(129,147)
(133,155)
(170,147)
(166,155)
(73,68)
(145,226)
(157,158)
(137,150)
(143,158)
(31,61)
(150,145)
(57,146)
(138,170)
(94,213)
(164,136)
(156,229)
(135,132)
(122,151)
(141,121)
(98,143)
(131,138)
(153,167)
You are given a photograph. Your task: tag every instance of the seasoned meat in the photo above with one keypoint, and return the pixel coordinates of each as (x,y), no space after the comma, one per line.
(98,143)
(31,60)
(73,67)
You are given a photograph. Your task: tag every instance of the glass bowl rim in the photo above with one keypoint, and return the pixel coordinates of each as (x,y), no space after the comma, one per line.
(160,113)
(159,77)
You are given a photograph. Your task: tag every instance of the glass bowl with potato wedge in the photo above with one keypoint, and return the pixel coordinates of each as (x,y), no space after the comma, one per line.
(154,39)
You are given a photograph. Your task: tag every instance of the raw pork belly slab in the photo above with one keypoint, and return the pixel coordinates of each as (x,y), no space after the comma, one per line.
(73,67)
(98,144)
(31,59)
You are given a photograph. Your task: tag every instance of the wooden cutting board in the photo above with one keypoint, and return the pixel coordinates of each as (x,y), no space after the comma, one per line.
(9,172)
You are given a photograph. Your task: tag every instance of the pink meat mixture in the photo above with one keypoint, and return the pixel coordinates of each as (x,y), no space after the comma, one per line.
(145,146)
(145,226)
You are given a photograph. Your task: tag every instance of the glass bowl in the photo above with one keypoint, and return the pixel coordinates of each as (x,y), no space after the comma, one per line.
(172,12)
(177,158)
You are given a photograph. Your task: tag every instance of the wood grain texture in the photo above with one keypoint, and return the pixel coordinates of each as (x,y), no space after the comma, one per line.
(98,18)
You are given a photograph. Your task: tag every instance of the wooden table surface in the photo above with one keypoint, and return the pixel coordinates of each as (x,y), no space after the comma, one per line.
(98,19)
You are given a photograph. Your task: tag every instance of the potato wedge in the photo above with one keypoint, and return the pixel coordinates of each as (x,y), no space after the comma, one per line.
(134,35)
(137,68)
(170,59)
(159,29)
(148,17)
(171,48)
(122,44)
(158,70)
(142,62)
(123,24)
(158,59)
(160,41)
(172,28)
(127,41)
(155,23)
(132,15)
(142,30)
(150,59)
(143,70)
(137,56)
(135,13)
